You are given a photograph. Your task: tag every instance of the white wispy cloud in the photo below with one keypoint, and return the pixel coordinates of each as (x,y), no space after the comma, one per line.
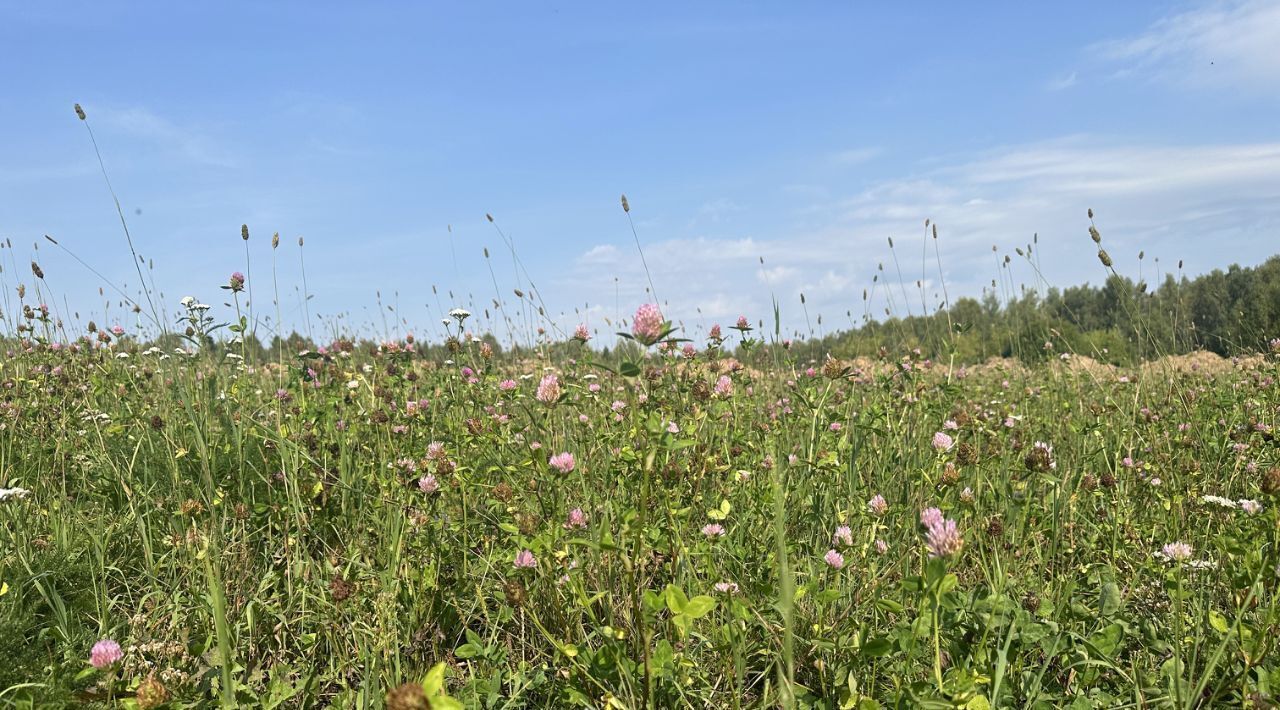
(191,142)
(855,156)
(1062,83)
(1225,44)
(1209,204)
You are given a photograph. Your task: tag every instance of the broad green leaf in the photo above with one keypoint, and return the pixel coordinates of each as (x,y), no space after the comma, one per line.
(1110,602)
(699,606)
(676,599)
(1219,622)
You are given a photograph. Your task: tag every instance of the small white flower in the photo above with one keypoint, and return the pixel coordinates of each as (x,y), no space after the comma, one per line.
(353,384)
(7,493)
(1219,500)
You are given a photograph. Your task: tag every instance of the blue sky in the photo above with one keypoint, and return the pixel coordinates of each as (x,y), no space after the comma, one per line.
(803,134)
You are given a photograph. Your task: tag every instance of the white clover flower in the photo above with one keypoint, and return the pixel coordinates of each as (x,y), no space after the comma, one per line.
(7,493)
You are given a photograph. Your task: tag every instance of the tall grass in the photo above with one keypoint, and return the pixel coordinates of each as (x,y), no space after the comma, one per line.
(340,525)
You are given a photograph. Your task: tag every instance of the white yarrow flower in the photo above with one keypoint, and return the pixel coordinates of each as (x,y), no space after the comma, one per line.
(7,493)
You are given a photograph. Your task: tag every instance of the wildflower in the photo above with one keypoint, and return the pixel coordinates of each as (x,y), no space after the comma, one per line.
(581,333)
(525,560)
(236,282)
(843,536)
(834,559)
(689,351)
(713,530)
(507,385)
(563,462)
(942,442)
(428,484)
(724,386)
(966,495)
(1219,500)
(950,425)
(1040,458)
(836,426)
(117,330)
(726,587)
(151,693)
(647,326)
(673,428)
(576,520)
(715,332)
(931,517)
(7,493)
(877,504)
(743,325)
(1177,551)
(882,547)
(548,389)
(105,653)
(944,539)
(459,314)
(1252,507)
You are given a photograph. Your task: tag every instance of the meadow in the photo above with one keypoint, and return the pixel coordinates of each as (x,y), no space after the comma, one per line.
(711,524)
(1042,503)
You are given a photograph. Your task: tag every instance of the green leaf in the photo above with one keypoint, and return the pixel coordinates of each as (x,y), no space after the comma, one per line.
(1107,639)
(1219,622)
(1110,602)
(720,513)
(434,682)
(676,599)
(889,605)
(699,606)
(629,369)
(877,647)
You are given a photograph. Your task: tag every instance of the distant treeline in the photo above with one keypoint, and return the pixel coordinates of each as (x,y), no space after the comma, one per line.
(1122,321)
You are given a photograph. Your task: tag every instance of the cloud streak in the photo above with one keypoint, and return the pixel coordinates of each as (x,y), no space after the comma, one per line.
(1166,200)
(1230,44)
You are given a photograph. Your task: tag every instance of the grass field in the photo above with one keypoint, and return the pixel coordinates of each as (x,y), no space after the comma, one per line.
(362,526)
